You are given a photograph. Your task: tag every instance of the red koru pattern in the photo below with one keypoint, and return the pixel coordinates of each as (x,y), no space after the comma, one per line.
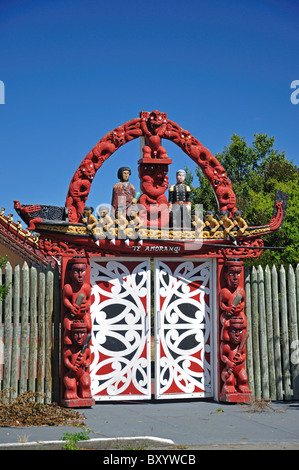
(153,126)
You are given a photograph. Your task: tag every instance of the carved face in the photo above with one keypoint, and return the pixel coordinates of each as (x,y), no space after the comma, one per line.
(219,176)
(118,136)
(86,170)
(125,175)
(79,336)
(235,334)
(156,118)
(180,177)
(79,272)
(232,276)
(186,139)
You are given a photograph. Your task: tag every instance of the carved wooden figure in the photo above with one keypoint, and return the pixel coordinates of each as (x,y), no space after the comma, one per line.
(180,202)
(123,193)
(153,184)
(233,328)
(76,327)
(233,355)
(76,297)
(153,126)
(76,359)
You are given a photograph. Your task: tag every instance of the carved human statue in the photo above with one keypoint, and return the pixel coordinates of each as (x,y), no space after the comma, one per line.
(153,184)
(232,296)
(76,296)
(76,359)
(233,355)
(179,202)
(153,126)
(234,331)
(123,193)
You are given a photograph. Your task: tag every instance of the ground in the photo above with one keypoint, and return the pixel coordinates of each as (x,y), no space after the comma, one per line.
(25,410)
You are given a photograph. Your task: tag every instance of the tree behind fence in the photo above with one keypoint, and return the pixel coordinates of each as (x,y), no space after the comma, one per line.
(30,329)
(30,332)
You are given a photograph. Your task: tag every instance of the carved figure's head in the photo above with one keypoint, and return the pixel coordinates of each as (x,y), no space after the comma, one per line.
(86,170)
(219,176)
(232,272)
(180,176)
(78,333)
(123,173)
(156,118)
(118,136)
(235,331)
(78,270)
(186,138)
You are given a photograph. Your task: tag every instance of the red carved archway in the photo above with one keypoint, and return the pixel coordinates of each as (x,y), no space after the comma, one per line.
(153,126)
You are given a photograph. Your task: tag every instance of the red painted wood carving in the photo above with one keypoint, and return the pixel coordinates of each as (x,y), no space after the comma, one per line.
(76,334)
(233,333)
(153,126)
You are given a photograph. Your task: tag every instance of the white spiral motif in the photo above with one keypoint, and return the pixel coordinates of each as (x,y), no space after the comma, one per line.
(184,330)
(120,329)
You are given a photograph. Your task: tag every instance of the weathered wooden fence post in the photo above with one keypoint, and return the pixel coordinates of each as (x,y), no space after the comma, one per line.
(285,335)
(276,335)
(48,334)
(263,334)
(255,335)
(293,329)
(270,332)
(24,329)
(33,329)
(15,336)
(7,327)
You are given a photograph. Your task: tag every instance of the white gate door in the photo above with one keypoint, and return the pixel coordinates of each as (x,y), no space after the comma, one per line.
(120,312)
(183,304)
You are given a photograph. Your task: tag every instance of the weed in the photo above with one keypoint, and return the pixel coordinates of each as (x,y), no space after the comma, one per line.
(72,439)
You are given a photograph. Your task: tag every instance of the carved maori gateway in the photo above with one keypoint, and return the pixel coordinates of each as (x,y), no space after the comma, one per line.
(200,322)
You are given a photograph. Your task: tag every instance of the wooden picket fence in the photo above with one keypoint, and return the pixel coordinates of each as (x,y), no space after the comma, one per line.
(272,311)
(30,332)
(29,339)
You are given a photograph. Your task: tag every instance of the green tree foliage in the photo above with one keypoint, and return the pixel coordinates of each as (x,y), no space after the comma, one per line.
(256,171)
(3,289)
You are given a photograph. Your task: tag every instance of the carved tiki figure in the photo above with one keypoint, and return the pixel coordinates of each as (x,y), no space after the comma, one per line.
(233,355)
(232,296)
(76,296)
(153,184)
(76,359)
(79,189)
(153,126)
(234,331)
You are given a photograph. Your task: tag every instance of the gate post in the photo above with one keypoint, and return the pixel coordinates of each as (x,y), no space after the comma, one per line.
(232,332)
(75,332)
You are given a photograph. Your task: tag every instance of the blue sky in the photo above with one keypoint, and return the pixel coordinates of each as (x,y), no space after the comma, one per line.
(75,70)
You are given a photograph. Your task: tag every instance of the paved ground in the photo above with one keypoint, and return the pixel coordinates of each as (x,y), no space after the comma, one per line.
(171,425)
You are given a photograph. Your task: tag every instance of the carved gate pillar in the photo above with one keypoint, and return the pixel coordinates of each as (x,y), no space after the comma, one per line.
(75,332)
(233,381)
